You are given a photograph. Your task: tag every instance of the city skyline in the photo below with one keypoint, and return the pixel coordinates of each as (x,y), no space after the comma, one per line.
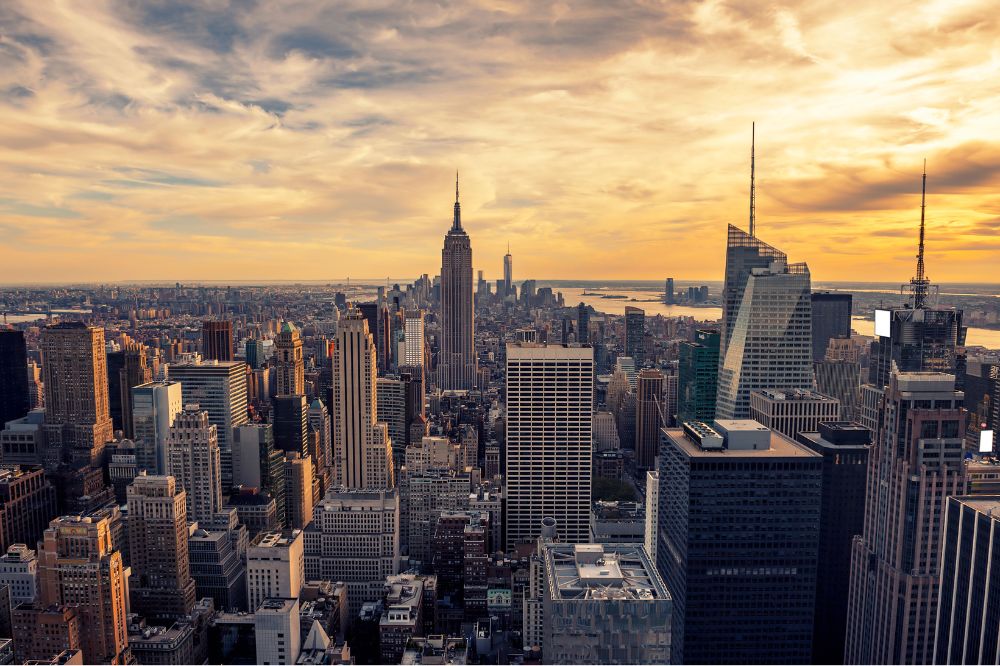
(151,142)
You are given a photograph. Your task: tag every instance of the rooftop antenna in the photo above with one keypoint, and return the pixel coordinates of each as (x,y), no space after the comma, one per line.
(921,282)
(752,166)
(456,224)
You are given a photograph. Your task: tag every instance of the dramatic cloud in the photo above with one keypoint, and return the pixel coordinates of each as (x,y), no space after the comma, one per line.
(169,139)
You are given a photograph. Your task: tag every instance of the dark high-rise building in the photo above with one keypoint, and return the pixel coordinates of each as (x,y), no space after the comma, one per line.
(668,292)
(844,447)
(738,531)
(916,340)
(582,324)
(291,423)
(831,318)
(649,418)
(916,463)
(14,402)
(255,353)
(27,504)
(457,356)
(697,377)
(377,317)
(968,618)
(217,340)
(413,381)
(635,331)
(126,369)
(508,273)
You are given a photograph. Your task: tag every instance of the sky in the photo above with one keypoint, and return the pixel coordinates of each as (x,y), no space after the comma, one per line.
(214,140)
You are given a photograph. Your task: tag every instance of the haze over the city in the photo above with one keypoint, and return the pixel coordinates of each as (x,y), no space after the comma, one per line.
(251,141)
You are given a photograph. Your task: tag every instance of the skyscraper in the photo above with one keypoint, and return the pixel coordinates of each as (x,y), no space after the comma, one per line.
(845,448)
(291,423)
(27,503)
(14,401)
(770,343)
(917,337)
(831,318)
(549,440)
(508,272)
(290,366)
(154,407)
(968,618)
(74,370)
(668,292)
(582,324)
(737,543)
(79,566)
(319,421)
(161,587)
(635,332)
(126,368)
(649,418)
(915,465)
(697,377)
(299,493)
(193,460)
(744,252)
(391,410)
(354,537)
(457,356)
(275,566)
(414,340)
(361,446)
(840,380)
(220,388)
(217,340)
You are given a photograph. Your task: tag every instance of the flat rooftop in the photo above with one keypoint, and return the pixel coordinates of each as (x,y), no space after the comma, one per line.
(988,504)
(602,572)
(801,395)
(780,447)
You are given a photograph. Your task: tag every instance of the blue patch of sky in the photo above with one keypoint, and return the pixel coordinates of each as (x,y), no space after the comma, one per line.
(15,207)
(134,178)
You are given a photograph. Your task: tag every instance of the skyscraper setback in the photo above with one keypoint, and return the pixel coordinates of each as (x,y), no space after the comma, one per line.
(457,355)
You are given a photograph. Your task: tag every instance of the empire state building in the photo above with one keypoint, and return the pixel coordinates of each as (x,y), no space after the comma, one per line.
(457,359)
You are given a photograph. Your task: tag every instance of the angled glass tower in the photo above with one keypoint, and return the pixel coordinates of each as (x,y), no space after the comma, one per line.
(767,325)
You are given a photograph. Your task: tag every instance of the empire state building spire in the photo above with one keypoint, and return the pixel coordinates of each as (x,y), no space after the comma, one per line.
(456,224)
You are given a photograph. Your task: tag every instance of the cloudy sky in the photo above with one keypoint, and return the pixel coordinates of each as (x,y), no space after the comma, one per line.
(264,140)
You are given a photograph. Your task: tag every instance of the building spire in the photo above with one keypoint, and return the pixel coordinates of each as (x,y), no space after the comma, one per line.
(921,282)
(752,166)
(456,224)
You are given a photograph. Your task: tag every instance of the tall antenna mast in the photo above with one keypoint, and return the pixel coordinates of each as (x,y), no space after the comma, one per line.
(920,283)
(752,193)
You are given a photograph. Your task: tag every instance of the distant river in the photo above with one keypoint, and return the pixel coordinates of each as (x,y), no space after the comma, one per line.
(616,306)
(985,337)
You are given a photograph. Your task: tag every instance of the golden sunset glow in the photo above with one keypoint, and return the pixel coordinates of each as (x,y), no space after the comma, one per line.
(245,141)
